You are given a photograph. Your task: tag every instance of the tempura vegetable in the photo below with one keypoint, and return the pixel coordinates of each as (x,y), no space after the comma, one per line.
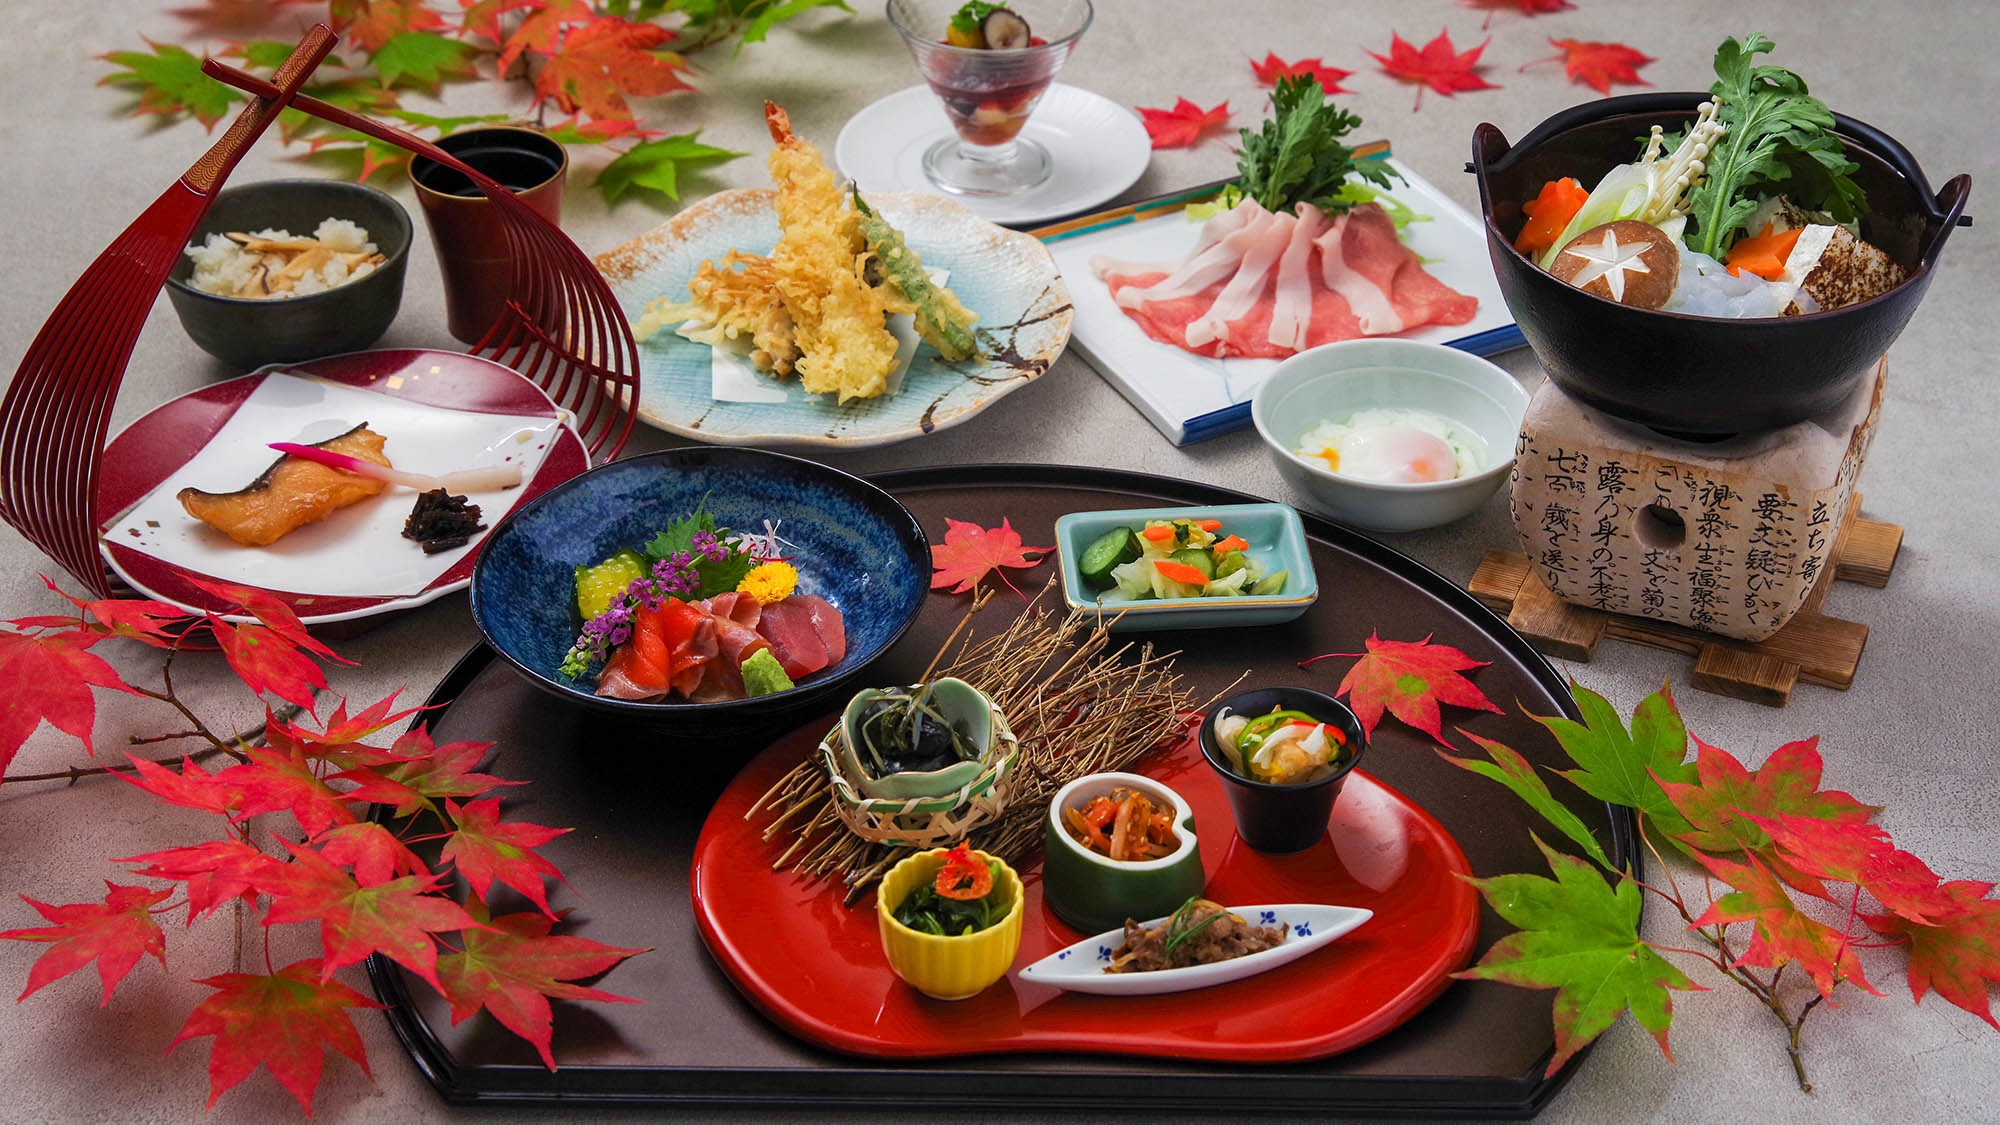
(941,320)
(733,299)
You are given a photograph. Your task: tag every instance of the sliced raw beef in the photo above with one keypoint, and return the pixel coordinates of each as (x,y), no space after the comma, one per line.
(1273,284)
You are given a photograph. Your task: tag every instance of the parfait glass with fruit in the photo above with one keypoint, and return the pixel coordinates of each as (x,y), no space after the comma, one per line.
(989,64)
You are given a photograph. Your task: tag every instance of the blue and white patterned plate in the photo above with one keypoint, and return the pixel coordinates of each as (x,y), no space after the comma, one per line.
(1006,277)
(1308,926)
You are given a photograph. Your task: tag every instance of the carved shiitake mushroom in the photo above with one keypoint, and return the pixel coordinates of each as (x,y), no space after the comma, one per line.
(1628,261)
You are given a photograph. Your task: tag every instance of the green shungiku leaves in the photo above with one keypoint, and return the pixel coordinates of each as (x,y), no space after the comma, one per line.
(1778,133)
(656,165)
(1580,936)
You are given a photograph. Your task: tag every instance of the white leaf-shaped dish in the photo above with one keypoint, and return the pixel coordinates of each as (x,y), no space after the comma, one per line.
(1308,926)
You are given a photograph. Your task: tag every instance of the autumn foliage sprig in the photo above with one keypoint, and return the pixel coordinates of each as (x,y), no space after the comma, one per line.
(360,879)
(584,60)
(1772,835)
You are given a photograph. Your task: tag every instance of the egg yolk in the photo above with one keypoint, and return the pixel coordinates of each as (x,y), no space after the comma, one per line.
(1400,455)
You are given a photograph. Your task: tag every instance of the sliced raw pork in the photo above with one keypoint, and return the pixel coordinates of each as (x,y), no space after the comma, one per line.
(1271,284)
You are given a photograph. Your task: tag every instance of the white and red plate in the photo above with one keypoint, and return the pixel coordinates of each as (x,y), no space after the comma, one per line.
(440,411)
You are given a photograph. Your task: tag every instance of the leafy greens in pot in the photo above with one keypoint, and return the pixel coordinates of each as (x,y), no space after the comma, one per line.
(1777,138)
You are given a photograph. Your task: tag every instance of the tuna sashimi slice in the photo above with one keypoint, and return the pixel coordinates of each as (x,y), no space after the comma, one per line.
(827,620)
(795,641)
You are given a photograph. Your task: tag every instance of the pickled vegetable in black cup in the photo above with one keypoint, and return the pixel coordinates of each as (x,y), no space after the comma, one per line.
(1282,763)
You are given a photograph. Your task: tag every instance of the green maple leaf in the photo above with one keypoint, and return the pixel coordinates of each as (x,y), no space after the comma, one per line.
(170,82)
(422,58)
(1510,769)
(656,165)
(1580,936)
(270,54)
(1626,768)
(445,126)
(773,14)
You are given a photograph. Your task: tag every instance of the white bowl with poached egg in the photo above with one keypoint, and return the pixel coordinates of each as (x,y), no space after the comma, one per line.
(1391,435)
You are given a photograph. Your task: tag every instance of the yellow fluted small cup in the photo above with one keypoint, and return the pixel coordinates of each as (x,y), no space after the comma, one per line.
(948,968)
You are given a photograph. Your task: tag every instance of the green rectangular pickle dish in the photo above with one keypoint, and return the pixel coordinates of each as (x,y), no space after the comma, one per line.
(1277,542)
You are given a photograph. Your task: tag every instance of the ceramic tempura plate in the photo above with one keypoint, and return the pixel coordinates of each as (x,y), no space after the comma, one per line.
(1007,278)
(1080,967)
(440,411)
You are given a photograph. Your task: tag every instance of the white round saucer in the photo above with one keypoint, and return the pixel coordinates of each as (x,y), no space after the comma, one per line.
(1099,149)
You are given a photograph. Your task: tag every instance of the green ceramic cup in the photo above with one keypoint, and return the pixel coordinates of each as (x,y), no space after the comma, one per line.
(1092,893)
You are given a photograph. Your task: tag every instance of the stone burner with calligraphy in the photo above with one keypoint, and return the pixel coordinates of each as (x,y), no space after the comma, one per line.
(1728,537)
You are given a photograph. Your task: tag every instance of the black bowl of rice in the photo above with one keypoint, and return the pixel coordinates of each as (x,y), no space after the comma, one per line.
(286,270)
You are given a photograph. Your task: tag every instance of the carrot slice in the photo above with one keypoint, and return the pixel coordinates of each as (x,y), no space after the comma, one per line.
(1233,543)
(1762,254)
(1549,213)
(1159,534)
(1210,525)
(1181,572)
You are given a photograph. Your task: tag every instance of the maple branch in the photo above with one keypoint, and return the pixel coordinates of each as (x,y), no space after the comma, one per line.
(145,740)
(75,774)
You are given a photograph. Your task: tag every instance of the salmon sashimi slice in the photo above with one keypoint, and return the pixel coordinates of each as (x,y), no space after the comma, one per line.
(641,667)
(291,493)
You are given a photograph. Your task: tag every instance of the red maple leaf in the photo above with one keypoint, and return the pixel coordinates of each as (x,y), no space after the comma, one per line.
(1727,796)
(114,933)
(49,677)
(338,741)
(1597,65)
(1408,679)
(1525,7)
(134,618)
(1783,933)
(1184,125)
(284,1021)
(1273,68)
(543,30)
(282,780)
(265,661)
(483,850)
(969,552)
(432,771)
(1958,953)
(272,613)
(1436,65)
(192,787)
(372,23)
(396,918)
(374,852)
(601,62)
(514,967)
(215,872)
(482,17)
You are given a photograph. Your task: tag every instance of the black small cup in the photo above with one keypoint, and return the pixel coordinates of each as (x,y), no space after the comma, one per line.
(1281,819)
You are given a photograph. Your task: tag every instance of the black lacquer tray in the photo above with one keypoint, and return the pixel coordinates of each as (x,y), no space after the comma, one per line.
(637,800)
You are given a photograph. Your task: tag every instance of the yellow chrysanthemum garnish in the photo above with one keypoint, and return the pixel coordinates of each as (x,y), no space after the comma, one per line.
(770,582)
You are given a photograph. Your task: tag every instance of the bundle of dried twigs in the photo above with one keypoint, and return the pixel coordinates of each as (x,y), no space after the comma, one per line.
(1078,706)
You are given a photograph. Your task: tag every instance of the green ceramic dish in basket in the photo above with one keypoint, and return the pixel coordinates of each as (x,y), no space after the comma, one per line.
(926,809)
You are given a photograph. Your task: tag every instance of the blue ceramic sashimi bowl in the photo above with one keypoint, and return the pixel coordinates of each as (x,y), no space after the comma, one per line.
(853,544)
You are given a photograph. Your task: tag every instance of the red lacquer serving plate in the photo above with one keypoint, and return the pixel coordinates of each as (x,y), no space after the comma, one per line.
(151,450)
(816,967)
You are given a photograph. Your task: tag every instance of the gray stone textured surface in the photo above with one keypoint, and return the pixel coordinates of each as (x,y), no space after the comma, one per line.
(1915,734)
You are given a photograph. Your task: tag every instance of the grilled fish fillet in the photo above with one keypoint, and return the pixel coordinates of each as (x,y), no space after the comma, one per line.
(291,493)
